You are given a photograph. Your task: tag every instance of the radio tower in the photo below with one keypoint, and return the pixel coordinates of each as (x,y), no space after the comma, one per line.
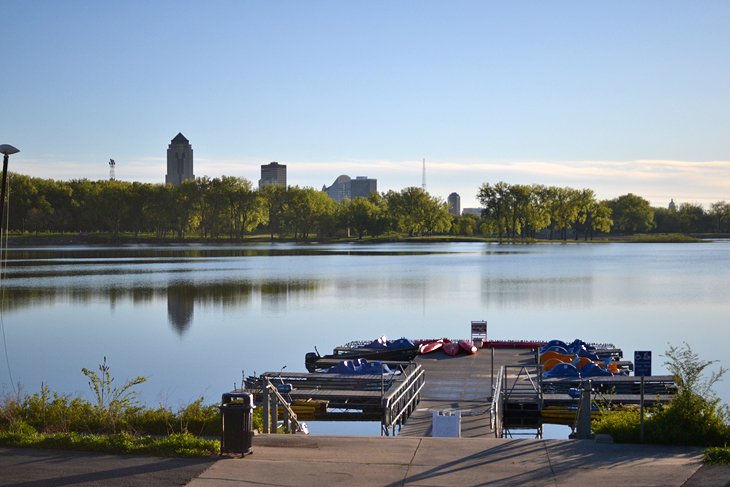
(111,169)
(423,183)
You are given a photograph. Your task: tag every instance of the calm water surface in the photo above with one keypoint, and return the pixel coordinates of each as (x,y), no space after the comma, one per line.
(193,317)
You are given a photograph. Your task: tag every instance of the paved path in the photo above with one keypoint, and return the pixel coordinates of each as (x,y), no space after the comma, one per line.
(319,460)
(29,467)
(280,460)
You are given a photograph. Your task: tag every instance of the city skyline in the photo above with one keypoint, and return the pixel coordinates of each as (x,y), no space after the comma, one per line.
(620,98)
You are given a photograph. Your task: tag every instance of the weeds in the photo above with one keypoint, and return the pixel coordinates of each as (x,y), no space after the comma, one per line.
(693,417)
(111,401)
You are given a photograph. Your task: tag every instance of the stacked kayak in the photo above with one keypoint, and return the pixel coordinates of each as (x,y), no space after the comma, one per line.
(451,348)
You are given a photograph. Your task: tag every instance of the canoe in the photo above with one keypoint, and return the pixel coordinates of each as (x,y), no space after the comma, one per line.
(451,349)
(467,346)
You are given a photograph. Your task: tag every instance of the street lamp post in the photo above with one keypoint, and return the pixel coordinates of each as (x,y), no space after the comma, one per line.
(6,150)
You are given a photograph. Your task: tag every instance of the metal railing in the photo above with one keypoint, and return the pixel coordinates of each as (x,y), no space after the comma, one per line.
(296,425)
(400,403)
(495,409)
(521,387)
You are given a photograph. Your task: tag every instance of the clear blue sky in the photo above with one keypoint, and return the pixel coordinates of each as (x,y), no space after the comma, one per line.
(619,96)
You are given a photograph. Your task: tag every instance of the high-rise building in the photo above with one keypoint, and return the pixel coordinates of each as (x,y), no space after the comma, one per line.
(454,202)
(362,187)
(179,160)
(272,173)
(672,205)
(345,187)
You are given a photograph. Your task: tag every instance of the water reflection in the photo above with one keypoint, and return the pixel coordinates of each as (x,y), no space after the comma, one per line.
(180,307)
(181,296)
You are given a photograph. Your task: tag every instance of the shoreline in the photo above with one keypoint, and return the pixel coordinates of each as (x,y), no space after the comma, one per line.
(106,239)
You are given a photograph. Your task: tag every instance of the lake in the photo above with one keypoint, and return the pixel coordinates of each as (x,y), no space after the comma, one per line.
(193,317)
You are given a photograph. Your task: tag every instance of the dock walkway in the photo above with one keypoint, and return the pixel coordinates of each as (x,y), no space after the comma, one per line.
(461,383)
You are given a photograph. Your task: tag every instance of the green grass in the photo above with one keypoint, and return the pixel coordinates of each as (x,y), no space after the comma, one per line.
(176,444)
(663,238)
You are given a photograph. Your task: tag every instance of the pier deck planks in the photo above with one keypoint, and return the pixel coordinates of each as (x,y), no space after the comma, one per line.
(464,383)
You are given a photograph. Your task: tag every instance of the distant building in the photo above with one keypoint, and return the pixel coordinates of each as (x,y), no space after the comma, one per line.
(454,201)
(472,211)
(345,187)
(672,206)
(362,187)
(272,173)
(179,160)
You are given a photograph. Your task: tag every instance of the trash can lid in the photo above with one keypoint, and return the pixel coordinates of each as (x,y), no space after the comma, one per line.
(245,397)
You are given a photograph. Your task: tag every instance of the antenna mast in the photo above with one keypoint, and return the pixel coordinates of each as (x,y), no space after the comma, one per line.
(112,164)
(423,183)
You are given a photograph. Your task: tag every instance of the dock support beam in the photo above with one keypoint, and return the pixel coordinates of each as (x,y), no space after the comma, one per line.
(267,410)
(583,431)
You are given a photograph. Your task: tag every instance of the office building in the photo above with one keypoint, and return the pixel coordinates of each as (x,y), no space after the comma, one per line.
(272,173)
(179,161)
(454,201)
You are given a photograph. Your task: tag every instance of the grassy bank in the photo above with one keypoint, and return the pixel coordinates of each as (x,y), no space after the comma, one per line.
(112,422)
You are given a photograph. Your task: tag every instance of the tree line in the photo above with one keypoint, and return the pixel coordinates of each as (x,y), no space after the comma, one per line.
(230,207)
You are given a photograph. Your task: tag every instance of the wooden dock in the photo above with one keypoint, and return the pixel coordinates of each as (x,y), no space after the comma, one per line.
(461,383)
(497,392)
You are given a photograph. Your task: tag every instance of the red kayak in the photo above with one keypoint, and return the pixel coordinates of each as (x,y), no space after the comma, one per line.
(429,347)
(467,346)
(451,349)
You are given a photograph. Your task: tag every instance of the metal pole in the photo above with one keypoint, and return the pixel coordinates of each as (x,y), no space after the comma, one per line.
(641,430)
(491,380)
(2,191)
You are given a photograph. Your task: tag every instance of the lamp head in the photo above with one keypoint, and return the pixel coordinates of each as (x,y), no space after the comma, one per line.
(8,149)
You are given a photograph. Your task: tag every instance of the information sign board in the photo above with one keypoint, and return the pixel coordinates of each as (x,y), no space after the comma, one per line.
(642,363)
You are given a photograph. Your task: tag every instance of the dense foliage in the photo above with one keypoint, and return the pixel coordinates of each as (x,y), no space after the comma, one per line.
(693,417)
(229,207)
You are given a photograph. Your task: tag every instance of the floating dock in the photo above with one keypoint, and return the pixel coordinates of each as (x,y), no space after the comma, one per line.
(495,392)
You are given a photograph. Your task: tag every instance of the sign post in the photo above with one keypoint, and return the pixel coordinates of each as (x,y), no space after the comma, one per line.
(642,368)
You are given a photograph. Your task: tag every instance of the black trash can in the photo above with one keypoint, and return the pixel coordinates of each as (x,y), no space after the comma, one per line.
(237,423)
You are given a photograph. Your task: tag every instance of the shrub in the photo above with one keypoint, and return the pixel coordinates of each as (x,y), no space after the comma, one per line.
(719,455)
(623,425)
(693,417)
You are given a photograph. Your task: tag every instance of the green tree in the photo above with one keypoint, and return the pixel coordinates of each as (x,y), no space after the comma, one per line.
(720,215)
(360,214)
(497,203)
(275,206)
(416,212)
(631,214)
(692,218)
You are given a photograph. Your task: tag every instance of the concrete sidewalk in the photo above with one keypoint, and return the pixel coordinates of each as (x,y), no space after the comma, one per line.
(374,461)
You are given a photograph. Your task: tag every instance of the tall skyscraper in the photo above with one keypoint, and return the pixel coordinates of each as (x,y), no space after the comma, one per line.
(454,202)
(179,160)
(272,173)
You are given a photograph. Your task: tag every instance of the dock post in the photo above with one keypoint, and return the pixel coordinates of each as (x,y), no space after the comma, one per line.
(584,413)
(491,380)
(267,410)
(641,430)
(288,424)
(274,415)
